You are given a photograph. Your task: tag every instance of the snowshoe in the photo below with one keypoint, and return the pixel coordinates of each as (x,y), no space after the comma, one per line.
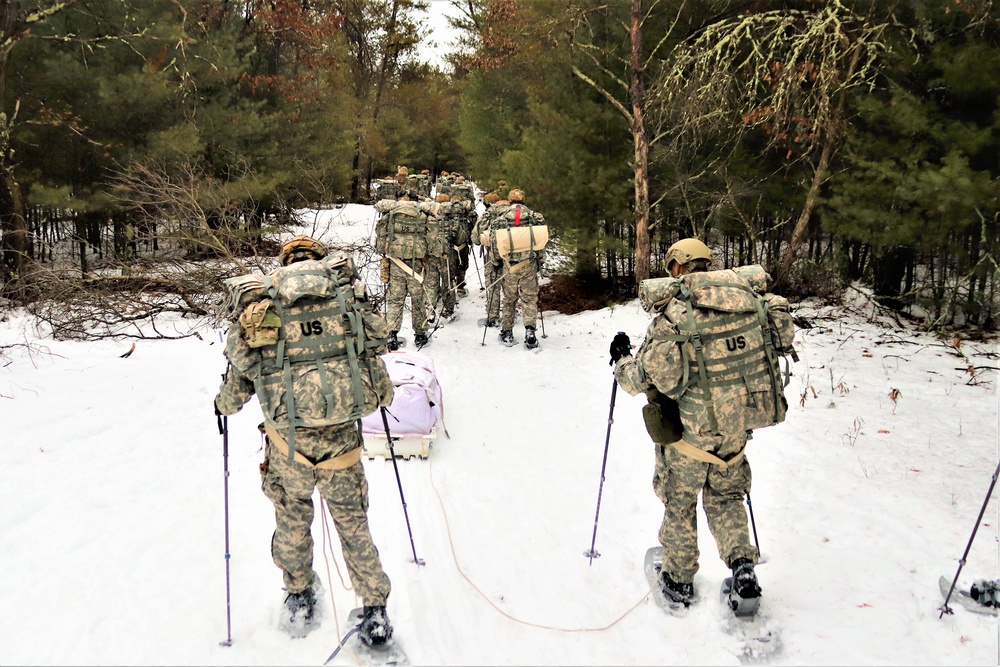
(449,316)
(507,337)
(392,342)
(420,340)
(375,629)
(986,593)
(530,341)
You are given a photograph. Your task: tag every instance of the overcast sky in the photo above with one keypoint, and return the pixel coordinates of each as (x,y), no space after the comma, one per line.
(441,36)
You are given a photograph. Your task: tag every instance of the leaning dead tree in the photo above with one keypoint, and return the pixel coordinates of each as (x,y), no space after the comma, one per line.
(785,73)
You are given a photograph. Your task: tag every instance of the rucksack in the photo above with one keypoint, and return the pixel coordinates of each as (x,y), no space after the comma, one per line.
(517,233)
(732,337)
(320,366)
(402,232)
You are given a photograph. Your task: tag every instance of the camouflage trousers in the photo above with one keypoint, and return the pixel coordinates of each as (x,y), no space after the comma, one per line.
(520,283)
(289,487)
(455,264)
(493,271)
(677,480)
(463,264)
(438,283)
(401,284)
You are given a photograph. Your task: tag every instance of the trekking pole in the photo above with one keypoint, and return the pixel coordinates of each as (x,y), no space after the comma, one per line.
(224,431)
(392,454)
(476,264)
(541,316)
(961,563)
(753,524)
(592,553)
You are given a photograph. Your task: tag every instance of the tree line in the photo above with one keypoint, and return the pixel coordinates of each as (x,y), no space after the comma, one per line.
(831,141)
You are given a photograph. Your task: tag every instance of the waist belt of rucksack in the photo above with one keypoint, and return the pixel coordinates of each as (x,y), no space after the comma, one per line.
(459,248)
(401,264)
(342,462)
(514,267)
(692,452)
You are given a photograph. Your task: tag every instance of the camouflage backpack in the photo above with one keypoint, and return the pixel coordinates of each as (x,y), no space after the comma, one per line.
(402,232)
(311,345)
(732,337)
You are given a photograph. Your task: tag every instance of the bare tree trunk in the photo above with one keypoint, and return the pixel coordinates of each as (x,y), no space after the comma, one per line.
(640,165)
(791,252)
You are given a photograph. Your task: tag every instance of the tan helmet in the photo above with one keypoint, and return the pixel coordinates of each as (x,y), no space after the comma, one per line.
(425,172)
(441,198)
(687,250)
(444,173)
(459,180)
(516,195)
(301,247)
(402,171)
(491,198)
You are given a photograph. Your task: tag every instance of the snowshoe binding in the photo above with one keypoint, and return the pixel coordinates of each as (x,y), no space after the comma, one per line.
(530,341)
(507,337)
(743,588)
(300,615)
(420,340)
(681,594)
(375,630)
(393,342)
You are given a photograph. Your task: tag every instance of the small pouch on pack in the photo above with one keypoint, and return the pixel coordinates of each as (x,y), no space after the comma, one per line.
(383,269)
(662,417)
(259,324)
(656,293)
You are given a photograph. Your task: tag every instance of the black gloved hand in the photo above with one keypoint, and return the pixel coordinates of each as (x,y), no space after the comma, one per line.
(621,346)
(216,406)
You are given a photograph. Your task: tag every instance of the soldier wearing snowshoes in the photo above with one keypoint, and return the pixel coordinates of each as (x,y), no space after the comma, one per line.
(708,383)
(401,237)
(518,235)
(442,232)
(312,313)
(492,264)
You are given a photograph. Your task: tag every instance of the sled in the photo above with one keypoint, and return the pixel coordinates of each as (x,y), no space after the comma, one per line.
(416,411)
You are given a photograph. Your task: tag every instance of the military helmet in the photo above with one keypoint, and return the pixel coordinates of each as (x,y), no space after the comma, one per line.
(301,247)
(425,172)
(491,198)
(442,197)
(459,180)
(516,195)
(687,250)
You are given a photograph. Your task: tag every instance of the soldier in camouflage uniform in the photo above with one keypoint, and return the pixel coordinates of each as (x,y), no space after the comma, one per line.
(691,456)
(492,263)
(437,272)
(325,457)
(520,276)
(401,237)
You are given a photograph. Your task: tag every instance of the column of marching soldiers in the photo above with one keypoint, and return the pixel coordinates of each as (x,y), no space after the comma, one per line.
(425,238)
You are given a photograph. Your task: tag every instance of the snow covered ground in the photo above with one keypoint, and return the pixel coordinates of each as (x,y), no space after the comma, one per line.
(113,526)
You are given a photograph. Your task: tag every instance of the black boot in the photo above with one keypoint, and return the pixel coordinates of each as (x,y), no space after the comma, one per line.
(678,592)
(530,341)
(744,579)
(375,629)
(492,322)
(420,340)
(507,337)
(300,616)
(393,342)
